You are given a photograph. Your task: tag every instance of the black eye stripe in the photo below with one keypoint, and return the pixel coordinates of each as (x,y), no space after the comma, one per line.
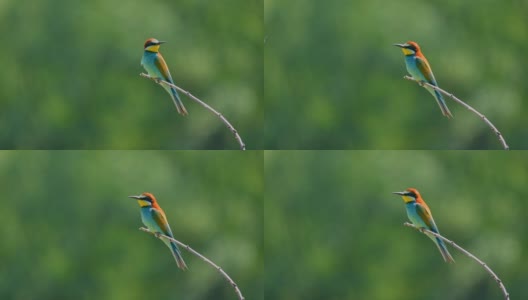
(146,198)
(150,43)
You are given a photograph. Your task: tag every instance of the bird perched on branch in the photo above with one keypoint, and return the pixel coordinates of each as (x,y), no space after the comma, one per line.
(420,215)
(154,218)
(420,70)
(156,67)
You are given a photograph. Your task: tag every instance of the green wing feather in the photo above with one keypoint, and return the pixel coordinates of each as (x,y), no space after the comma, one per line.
(424,67)
(426,217)
(162,66)
(161,220)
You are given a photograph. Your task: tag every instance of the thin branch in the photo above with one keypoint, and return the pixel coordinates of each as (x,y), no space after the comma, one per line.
(219,115)
(222,272)
(495,130)
(483,264)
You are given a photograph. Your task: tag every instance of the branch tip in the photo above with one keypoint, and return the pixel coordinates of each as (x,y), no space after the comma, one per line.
(467,106)
(222,118)
(188,248)
(465,252)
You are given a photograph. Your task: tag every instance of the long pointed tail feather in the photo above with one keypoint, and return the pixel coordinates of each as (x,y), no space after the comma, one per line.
(443,250)
(178,103)
(177,256)
(441,103)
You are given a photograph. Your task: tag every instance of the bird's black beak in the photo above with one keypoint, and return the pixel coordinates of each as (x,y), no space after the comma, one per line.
(399,193)
(135,197)
(399,45)
(161,42)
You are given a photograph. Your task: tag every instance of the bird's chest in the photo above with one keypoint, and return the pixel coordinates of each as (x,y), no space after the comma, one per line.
(412,68)
(148,62)
(146,217)
(412,214)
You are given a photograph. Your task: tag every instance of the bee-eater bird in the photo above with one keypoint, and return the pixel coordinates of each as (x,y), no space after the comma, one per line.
(154,218)
(420,215)
(156,67)
(420,70)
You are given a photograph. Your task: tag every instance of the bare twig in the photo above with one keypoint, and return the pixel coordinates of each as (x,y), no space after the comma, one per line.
(495,130)
(483,264)
(222,272)
(219,115)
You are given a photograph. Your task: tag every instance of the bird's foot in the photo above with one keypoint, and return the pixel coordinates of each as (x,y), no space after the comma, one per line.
(157,234)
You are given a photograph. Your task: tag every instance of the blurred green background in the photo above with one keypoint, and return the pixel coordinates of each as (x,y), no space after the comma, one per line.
(71,69)
(70,232)
(333,229)
(333,80)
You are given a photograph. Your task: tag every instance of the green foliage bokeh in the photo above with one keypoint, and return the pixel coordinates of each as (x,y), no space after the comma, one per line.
(333,80)
(70,232)
(335,230)
(70,76)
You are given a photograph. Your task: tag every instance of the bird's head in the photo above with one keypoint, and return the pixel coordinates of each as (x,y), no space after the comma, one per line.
(409,195)
(409,48)
(145,199)
(152,45)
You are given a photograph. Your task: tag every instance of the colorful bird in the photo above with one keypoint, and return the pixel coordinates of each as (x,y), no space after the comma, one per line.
(420,70)
(420,215)
(154,218)
(156,67)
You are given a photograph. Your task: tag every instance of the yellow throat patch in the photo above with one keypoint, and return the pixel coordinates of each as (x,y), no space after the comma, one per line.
(408,199)
(153,48)
(407,51)
(143,203)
